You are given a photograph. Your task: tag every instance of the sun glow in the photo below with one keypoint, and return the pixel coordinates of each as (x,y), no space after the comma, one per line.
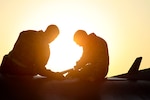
(117,21)
(64,51)
(64,54)
(69,17)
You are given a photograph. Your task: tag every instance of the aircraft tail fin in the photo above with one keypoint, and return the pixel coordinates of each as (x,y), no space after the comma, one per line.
(135,66)
(133,69)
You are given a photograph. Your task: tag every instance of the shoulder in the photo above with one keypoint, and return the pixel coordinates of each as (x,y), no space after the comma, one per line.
(28,31)
(96,38)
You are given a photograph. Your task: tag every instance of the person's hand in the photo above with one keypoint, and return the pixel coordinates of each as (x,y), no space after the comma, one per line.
(77,67)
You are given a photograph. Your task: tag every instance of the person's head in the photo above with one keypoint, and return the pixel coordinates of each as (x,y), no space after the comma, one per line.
(80,37)
(51,33)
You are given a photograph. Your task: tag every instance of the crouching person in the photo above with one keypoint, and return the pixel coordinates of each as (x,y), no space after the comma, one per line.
(30,54)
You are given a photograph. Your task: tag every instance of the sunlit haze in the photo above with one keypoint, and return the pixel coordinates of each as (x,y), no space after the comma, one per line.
(124,24)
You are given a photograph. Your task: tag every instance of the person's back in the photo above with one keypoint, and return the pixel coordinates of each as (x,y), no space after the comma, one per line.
(96,51)
(30,51)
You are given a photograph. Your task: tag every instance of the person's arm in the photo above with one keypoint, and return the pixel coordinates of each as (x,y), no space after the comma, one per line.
(50,74)
(45,72)
(82,62)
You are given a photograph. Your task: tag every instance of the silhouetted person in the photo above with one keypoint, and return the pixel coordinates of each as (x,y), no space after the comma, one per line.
(30,54)
(94,62)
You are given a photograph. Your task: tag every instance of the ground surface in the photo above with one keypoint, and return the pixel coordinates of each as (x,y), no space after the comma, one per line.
(27,88)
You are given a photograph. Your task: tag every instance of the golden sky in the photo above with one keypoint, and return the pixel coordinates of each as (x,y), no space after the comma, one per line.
(124,24)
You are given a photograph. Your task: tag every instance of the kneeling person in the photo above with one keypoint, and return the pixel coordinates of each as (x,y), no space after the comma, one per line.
(30,54)
(94,62)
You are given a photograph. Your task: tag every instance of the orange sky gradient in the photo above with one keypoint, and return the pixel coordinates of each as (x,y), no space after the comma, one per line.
(124,24)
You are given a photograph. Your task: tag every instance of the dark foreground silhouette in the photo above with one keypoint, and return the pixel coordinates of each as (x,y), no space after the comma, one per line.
(30,54)
(18,80)
(29,57)
(112,88)
(94,62)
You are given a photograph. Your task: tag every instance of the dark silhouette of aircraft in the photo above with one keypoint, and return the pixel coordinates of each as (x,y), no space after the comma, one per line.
(133,69)
(134,73)
(133,85)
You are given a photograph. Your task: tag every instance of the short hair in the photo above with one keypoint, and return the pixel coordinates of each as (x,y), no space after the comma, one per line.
(79,35)
(51,33)
(53,28)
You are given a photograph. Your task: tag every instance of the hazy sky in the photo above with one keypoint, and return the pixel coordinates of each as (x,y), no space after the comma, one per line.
(124,24)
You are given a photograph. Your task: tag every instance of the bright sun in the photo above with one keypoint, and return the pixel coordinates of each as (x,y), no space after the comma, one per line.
(64,51)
